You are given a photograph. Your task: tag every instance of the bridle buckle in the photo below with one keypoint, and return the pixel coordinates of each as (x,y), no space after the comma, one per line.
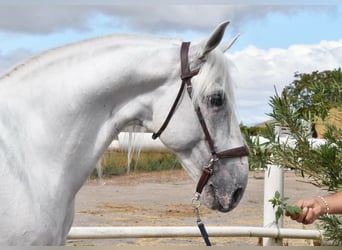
(196,203)
(212,161)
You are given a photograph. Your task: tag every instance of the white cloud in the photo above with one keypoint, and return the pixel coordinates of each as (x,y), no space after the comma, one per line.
(256,72)
(47,18)
(27,18)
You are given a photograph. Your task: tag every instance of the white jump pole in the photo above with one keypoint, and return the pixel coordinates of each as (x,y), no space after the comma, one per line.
(187,231)
(274,181)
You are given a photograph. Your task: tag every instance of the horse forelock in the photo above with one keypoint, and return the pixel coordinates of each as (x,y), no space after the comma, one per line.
(214,73)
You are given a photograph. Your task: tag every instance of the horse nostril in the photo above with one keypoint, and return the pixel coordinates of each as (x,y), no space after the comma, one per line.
(237,195)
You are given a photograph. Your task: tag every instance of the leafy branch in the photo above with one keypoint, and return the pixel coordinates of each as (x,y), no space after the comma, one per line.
(332,227)
(282,206)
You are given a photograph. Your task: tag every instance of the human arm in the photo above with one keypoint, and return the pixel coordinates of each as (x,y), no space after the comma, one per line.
(314,207)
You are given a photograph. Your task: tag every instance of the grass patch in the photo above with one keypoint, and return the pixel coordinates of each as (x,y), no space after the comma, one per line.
(114,163)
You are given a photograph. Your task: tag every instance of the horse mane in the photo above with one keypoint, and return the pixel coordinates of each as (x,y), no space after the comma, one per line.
(216,68)
(54,55)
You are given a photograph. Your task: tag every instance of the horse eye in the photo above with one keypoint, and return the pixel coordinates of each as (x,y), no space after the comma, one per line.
(216,99)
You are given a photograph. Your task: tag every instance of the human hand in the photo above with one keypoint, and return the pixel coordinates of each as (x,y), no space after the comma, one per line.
(312,208)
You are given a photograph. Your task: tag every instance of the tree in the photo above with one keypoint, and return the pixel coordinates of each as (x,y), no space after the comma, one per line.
(315,93)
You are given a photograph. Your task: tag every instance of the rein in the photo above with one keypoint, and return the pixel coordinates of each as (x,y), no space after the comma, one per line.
(186,75)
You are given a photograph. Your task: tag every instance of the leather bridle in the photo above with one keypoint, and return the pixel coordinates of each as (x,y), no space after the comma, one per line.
(186,75)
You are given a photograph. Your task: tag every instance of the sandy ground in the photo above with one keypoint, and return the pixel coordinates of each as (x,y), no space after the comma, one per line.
(164,199)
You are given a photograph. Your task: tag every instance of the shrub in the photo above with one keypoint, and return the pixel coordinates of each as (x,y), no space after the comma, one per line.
(115,163)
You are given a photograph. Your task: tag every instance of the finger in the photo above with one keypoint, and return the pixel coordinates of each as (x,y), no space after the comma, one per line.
(296,215)
(310,217)
(300,217)
(300,203)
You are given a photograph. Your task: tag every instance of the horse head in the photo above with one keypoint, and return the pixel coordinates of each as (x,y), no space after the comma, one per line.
(202,128)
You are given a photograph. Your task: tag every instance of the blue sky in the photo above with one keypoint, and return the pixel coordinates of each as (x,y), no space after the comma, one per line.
(280,30)
(276,39)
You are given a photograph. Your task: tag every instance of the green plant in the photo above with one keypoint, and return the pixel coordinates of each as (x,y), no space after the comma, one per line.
(282,206)
(332,227)
(321,163)
(259,151)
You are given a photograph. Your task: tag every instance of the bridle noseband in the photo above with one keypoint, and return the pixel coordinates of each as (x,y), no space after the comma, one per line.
(186,75)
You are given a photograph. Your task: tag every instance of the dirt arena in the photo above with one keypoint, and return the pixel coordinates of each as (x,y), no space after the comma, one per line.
(164,199)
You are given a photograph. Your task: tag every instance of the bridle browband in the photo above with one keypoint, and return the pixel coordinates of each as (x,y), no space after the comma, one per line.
(186,75)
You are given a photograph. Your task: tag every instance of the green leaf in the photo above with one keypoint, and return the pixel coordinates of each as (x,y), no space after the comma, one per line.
(278,214)
(277,195)
(284,199)
(293,209)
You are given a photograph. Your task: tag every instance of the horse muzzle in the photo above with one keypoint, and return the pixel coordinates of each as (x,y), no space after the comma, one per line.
(221,200)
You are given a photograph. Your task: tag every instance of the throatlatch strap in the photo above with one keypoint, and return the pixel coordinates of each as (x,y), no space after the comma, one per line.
(186,76)
(169,116)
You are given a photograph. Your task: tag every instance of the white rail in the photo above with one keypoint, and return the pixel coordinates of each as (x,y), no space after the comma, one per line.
(187,231)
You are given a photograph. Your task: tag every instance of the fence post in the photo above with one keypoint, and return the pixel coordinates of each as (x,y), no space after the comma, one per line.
(274,181)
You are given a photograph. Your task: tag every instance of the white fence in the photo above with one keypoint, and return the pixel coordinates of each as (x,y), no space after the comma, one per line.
(272,233)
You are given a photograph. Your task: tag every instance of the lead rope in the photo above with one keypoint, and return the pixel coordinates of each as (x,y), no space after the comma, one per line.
(196,203)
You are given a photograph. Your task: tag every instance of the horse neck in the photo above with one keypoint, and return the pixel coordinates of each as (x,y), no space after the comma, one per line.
(85,96)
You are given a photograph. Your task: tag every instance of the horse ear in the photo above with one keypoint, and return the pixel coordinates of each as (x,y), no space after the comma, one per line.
(226,46)
(214,39)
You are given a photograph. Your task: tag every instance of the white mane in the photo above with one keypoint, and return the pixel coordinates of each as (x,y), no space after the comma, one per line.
(98,44)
